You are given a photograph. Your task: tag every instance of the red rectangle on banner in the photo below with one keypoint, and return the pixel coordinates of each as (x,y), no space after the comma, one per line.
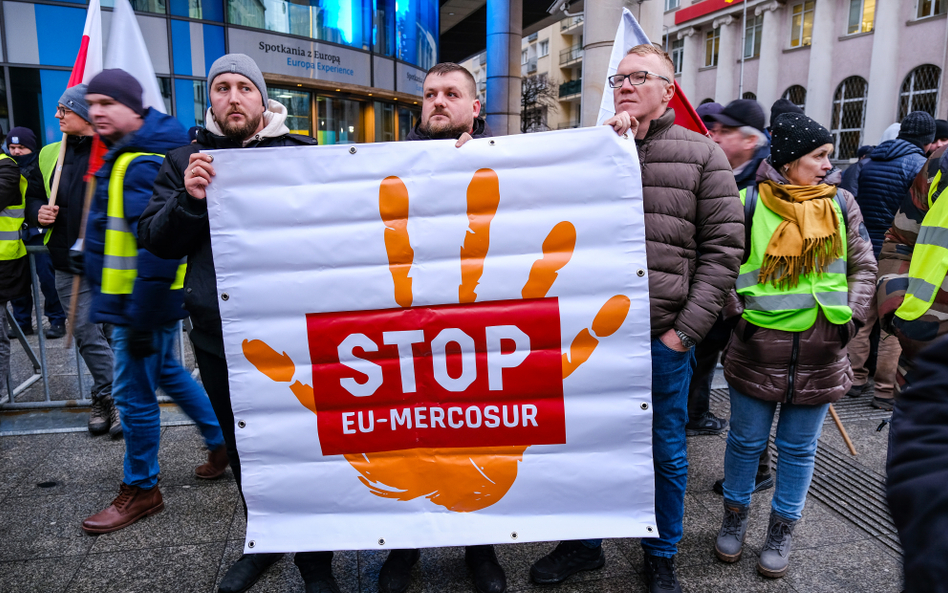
(448,376)
(702,8)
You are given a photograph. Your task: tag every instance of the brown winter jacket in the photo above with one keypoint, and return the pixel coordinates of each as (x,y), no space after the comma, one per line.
(694,232)
(809,367)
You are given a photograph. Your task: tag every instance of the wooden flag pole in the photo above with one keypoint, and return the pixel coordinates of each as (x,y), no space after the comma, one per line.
(77,279)
(842,430)
(54,189)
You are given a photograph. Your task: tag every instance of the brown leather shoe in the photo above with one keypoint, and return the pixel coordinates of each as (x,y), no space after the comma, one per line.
(217,462)
(129,506)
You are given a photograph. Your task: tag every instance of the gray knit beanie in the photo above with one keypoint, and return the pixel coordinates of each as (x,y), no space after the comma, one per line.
(918,128)
(74,99)
(238,64)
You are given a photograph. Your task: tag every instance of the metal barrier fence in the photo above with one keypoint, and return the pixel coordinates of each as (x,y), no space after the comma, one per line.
(40,362)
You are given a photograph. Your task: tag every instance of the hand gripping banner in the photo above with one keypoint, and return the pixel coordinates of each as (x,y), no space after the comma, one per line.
(433,346)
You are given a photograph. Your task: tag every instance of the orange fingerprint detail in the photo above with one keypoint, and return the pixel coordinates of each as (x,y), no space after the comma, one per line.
(483,198)
(393,207)
(460,480)
(277,367)
(557,251)
(611,316)
(579,352)
(304,393)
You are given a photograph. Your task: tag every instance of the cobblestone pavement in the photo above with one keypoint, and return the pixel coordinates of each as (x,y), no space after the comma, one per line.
(50,481)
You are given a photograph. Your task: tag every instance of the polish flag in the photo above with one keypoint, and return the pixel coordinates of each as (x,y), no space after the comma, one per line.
(628,35)
(127,51)
(89,60)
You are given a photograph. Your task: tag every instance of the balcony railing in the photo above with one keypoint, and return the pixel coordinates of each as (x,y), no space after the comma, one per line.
(571,54)
(529,67)
(571,88)
(482,59)
(570,22)
(532,37)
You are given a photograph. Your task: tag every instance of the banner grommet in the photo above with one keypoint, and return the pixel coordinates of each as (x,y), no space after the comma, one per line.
(381,541)
(513,535)
(644,405)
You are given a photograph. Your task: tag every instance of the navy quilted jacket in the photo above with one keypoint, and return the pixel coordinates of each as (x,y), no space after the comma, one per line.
(883,182)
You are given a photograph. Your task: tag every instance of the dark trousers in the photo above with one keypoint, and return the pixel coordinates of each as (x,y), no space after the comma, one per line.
(706,359)
(214,377)
(23,306)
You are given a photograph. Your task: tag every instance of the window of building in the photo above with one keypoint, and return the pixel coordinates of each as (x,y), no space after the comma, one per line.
(920,91)
(384,121)
(208,10)
(712,43)
(861,15)
(342,21)
(801,26)
(931,8)
(407,119)
(299,117)
(678,54)
(752,35)
(340,121)
(156,6)
(671,4)
(191,96)
(523,57)
(849,115)
(796,95)
(749,95)
(544,48)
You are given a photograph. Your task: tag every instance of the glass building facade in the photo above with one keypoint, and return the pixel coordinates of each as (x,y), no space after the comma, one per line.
(346,70)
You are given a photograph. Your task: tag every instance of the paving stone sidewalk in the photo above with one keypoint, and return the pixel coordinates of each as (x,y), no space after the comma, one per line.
(51,481)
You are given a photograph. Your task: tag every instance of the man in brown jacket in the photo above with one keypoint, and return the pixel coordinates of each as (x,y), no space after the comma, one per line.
(694,236)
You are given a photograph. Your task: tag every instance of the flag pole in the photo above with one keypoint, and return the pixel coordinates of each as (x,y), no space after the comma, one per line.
(54,189)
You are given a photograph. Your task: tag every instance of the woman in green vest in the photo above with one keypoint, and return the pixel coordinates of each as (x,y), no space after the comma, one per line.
(801,294)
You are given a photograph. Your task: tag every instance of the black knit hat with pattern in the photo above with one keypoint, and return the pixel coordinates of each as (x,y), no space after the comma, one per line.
(918,128)
(795,135)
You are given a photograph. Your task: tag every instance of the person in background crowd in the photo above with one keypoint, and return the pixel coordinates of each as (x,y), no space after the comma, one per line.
(941,135)
(917,471)
(913,260)
(14,263)
(694,242)
(175,225)
(851,175)
(62,222)
(780,107)
(140,294)
(890,133)
(883,183)
(449,111)
(705,111)
(23,147)
(801,295)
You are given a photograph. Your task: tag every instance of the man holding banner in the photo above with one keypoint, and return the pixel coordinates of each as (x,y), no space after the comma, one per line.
(175,225)
(694,242)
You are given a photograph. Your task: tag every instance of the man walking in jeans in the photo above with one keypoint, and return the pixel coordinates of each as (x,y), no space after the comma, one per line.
(694,238)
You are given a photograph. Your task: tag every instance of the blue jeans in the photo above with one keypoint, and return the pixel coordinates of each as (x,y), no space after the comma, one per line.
(671,377)
(134,392)
(798,433)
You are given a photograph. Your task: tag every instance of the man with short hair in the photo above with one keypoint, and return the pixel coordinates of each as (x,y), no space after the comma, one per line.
(694,236)
(62,223)
(941,136)
(23,147)
(449,111)
(138,293)
(175,225)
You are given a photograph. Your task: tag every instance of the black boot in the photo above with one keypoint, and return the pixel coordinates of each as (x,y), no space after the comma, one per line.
(395,576)
(660,575)
(316,570)
(488,574)
(244,573)
(567,559)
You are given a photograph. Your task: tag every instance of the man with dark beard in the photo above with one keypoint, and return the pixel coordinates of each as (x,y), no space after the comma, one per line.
(449,111)
(175,225)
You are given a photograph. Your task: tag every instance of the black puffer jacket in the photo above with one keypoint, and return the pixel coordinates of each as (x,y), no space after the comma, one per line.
(15,273)
(883,182)
(70,198)
(174,225)
(917,471)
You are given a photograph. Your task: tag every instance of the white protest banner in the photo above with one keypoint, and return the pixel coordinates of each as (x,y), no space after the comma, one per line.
(433,346)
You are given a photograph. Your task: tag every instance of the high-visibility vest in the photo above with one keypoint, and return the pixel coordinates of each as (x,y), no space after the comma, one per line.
(120,264)
(792,309)
(11,221)
(47,159)
(929,259)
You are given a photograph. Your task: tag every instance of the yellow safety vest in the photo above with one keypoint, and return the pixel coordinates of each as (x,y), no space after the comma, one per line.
(792,309)
(120,264)
(929,259)
(11,221)
(47,159)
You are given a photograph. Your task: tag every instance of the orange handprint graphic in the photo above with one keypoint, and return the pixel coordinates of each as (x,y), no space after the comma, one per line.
(447,411)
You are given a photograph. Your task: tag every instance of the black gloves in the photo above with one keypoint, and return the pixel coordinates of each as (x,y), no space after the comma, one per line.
(141,343)
(77,262)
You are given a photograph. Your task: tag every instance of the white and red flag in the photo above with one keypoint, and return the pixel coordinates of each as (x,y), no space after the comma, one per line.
(89,59)
(628,35)
(127,50)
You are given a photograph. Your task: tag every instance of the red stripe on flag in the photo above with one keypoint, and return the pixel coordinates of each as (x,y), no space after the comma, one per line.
(685,114)
(96,158)
(80,66)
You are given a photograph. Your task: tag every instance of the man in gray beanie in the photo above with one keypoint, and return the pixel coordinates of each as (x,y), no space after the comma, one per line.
(883,182)
(63,221)
(174,225)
